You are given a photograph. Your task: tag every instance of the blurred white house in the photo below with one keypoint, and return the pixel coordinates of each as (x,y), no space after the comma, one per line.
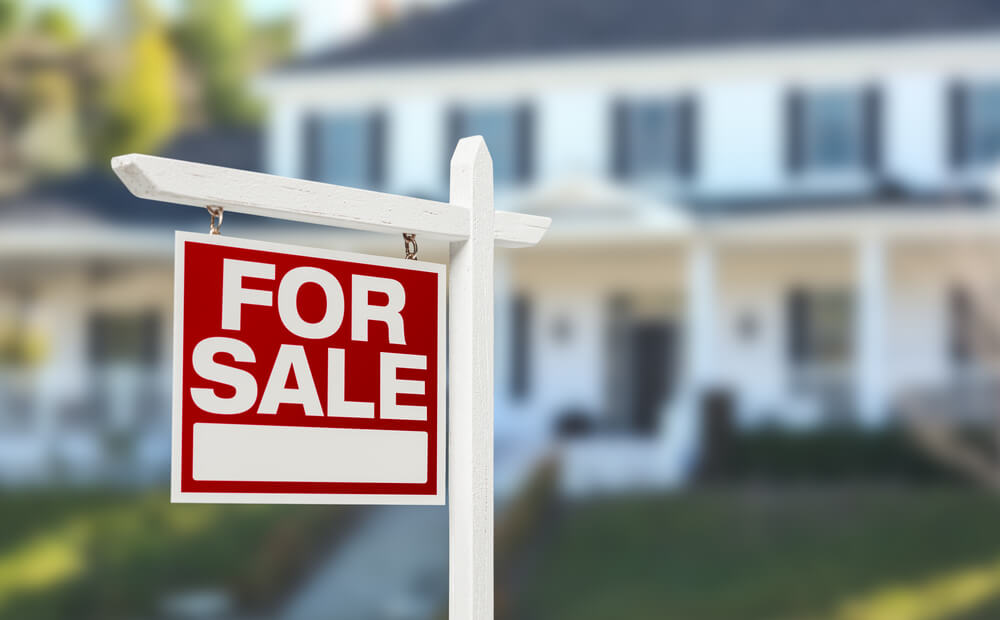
(775,209)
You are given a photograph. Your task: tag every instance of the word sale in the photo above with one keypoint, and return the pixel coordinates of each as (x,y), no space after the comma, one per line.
(291,359)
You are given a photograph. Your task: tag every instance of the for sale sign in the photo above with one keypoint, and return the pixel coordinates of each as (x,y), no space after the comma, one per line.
(306,376)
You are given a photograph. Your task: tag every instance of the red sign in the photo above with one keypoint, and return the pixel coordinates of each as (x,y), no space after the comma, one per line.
(305,375)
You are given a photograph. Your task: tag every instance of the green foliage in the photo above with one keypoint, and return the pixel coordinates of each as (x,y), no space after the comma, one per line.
(215,39)
(21,347)
(10,15)
(839,453)
(57,24)
(132,90)
(850,553)
(141,101)
(81,554)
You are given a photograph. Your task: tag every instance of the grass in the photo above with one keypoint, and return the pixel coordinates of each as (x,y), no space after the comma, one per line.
(100,554)
(848,554)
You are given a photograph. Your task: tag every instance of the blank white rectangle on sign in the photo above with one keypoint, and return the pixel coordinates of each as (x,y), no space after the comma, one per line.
(247,452)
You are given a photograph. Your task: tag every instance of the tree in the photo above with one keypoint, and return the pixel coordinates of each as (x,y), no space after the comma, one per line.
(57,24)
(141,103)
(215,39)
(10,16)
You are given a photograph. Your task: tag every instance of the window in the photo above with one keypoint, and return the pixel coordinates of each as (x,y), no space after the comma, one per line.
(833,130)
(345,149)
(819,327)
(124,338)
(974,339)
(507,130)
(975,112)
(654,138)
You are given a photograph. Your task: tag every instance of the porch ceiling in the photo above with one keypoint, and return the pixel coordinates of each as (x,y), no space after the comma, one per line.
(890,222)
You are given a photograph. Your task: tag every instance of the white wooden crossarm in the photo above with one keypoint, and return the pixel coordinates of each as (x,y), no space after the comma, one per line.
(200,185)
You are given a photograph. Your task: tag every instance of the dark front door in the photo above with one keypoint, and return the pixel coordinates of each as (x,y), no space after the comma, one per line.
(653,347)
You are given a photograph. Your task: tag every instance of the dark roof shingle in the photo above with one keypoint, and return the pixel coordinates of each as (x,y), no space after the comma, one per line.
(473,29)
(98,196)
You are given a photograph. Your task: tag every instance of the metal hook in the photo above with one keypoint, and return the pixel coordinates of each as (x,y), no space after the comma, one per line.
(410,246)
(215,213)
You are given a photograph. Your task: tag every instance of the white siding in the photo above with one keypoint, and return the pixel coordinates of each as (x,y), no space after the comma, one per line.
(918,335)
(415,146)
(741,138)
(915,130)
(754,366)
(918,307)
(570,371)
(740,142)
(572,134)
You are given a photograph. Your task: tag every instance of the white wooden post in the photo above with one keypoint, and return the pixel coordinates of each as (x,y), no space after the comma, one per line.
(470,388)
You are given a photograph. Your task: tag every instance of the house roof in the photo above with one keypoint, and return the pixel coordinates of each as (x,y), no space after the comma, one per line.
(97,197)
(472,29)
(233,147)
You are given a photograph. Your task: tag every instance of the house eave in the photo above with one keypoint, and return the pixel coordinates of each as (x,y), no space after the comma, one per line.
(801,62)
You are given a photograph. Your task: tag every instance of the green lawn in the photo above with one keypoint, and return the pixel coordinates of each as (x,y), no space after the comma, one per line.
(885,553)
(101,554)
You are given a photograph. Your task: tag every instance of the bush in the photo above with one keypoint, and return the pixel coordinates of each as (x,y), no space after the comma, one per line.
(836,454)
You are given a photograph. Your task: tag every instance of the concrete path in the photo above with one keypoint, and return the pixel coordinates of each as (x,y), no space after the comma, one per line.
(394,567)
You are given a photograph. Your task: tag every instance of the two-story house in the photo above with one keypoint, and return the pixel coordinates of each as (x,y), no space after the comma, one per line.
(785,205)
(781,207)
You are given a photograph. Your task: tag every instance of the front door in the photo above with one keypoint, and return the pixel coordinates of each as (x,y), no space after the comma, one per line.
(653,347)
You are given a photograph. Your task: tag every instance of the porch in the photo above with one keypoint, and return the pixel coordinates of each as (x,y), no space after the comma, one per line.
(798,321)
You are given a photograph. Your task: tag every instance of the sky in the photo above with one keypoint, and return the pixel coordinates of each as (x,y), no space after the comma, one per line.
(91,14)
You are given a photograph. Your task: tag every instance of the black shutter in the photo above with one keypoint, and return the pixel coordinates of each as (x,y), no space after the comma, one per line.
(687,137)
(376,149)
(149,343)
(872,128)
(454,127)
(525,142)
(520,372)
(620,163)
(794,131)
(311,139)
(98,337)
(797,313)
(957,110)
(961,321)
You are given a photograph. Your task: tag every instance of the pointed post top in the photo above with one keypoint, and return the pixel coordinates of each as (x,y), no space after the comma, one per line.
(471,150)
(472,173)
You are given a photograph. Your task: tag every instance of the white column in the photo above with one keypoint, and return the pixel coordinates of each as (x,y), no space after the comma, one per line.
(503,302)
(470,388)
(870,336)
(682,437)
(284,139)
(701,310)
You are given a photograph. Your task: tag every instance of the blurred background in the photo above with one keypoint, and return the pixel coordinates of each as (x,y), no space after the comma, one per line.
(750,373)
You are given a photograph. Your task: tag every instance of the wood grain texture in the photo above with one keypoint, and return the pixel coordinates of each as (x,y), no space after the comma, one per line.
(200,185)
(470,387)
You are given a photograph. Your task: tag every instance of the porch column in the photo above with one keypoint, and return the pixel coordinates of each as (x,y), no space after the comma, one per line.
(681,439)
(700,318)
(870,332)
(283,135)
(503,297)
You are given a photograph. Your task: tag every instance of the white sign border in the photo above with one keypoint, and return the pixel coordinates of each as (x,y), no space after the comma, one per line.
(195,497)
